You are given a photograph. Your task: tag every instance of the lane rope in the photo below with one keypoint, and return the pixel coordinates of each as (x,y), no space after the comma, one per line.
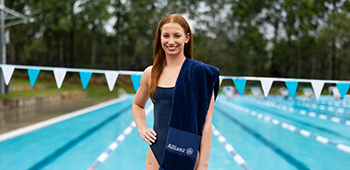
(304,112)
(116,142)
(343,103)
(239,160)
(284,125)
(330,108)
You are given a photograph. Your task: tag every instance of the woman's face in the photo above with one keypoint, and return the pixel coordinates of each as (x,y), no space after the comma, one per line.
(173,39)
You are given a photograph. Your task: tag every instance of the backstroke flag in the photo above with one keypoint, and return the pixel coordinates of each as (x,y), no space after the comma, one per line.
(136,80)
(266,84)
(240,85)
(7,71)
(317,85)
(220,79)
(343,89)
(59,74)
(33,74)
(111,77)
(85,78)
(292,87)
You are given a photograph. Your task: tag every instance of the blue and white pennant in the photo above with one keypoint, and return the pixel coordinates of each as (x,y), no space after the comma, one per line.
(60,73)
(112,75)
(292,84)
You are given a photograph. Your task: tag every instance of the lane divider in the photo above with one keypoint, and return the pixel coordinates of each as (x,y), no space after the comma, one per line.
(323,107)
(337,103)
(116,142)
(344,103)
(304,112)
(284,125)
(324,102)
(239,160)
(36,126)
(341,107)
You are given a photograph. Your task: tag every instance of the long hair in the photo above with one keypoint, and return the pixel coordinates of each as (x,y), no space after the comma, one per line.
(159,54)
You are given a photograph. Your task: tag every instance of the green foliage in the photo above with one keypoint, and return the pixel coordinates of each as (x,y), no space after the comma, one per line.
(286,38)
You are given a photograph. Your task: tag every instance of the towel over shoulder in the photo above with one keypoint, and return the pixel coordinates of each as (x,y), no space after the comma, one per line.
(191,99)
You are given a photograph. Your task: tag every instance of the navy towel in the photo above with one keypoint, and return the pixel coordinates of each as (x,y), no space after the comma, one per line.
(191,99)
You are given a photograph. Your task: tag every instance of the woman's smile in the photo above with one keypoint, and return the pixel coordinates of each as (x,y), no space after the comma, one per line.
(172,48)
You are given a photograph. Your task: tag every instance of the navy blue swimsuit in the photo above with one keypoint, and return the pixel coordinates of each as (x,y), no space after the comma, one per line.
(162,107)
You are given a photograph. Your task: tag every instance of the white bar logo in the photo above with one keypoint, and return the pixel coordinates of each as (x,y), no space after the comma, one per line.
(189,151)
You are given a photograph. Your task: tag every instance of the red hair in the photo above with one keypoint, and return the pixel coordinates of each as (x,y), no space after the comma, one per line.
(159,54)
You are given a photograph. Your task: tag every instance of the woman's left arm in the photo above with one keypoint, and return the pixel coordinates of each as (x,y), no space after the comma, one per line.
(205,146)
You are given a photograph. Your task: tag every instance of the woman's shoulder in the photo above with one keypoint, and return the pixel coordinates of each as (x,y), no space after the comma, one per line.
(146,76)
(147,72)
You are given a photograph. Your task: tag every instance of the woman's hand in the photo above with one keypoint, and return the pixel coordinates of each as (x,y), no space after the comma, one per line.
(148,135)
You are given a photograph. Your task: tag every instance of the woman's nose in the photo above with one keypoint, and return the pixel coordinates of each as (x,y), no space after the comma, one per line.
(171,40)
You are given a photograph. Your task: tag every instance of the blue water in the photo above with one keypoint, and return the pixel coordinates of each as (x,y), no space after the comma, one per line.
(76,143)
(267,146)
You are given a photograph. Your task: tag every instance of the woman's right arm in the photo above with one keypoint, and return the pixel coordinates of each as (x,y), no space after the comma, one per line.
(138,108)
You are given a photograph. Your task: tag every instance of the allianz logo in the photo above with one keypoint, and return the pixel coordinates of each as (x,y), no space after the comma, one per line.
(189,151)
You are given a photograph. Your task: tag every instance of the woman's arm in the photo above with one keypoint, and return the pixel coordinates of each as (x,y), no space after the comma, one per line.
(205,146)
(138,108)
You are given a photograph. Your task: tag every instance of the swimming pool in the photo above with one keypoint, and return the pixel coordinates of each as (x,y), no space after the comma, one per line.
(271,133)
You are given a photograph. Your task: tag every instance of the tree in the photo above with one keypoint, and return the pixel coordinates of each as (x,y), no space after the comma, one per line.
(94,15)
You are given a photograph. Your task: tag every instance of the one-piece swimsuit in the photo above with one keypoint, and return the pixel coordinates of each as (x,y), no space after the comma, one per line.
(162,107)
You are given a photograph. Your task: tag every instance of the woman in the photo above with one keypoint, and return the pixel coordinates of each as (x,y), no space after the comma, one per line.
(160,82)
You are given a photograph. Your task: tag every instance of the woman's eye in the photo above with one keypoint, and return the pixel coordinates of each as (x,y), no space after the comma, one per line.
(165,35)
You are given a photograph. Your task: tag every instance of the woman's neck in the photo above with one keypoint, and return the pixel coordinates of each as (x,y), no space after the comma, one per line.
(174,61)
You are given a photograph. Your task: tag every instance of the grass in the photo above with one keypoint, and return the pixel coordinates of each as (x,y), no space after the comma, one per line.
(35,93)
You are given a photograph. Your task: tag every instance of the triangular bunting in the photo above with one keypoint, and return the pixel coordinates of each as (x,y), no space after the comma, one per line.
(111,77)
(136,80)
(220,80)
(240,84)
(292,87)
(7,71)
(317,85)
(266,84)
(59,76)
(85,78)
(343,89)
(33,74)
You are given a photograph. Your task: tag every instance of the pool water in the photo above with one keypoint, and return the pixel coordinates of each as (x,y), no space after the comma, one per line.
(245,123)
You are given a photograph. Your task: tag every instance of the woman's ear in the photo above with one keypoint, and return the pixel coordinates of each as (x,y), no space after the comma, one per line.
(188,37)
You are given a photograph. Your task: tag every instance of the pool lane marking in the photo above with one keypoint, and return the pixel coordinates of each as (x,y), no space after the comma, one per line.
(265,141)
(292,128)
(324,102)
(39,125)
(304,112)
(239,160)
(330,108)
(323,106)
(116,142)
(330,103)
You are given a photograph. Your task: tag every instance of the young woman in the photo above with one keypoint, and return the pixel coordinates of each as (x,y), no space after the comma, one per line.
(173,47)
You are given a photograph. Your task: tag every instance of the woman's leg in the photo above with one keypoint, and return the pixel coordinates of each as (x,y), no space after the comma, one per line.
(151,161)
